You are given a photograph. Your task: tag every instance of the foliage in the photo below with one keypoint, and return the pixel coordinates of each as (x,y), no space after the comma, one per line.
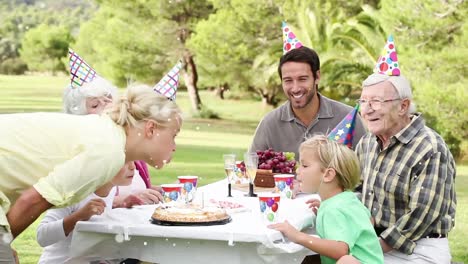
(13,66)
(206,113)
(44,47)
(19,16)
(432,43)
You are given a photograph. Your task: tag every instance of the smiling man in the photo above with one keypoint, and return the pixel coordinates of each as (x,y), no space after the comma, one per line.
(306,112)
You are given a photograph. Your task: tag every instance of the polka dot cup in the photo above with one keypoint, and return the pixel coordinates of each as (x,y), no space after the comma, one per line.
(284,185)
(189,187)
(269,205)
(171,192)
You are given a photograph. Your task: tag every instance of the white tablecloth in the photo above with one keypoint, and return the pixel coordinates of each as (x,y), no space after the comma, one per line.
(128,233)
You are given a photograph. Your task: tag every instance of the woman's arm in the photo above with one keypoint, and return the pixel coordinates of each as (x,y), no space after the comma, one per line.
(29,206)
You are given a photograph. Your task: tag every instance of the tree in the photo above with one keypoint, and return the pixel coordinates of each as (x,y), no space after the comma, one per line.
(228,43)
(142,37)
(19,16)
(44,47)
(431,39)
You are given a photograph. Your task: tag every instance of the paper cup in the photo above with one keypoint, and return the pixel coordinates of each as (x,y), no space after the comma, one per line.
(284,184)
(171,192)
(269,205)
(189,187)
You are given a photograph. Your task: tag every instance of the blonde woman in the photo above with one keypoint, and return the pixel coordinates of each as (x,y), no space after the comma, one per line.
(343,223)
(53,159)
(93,98)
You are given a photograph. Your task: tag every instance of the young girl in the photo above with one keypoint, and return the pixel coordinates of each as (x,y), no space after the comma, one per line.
(55,230)
(343,223)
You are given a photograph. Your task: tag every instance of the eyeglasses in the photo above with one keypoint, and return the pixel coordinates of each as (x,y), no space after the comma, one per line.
(375,104)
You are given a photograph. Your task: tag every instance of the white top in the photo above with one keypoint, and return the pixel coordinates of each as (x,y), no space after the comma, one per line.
(137,185)
(50,233)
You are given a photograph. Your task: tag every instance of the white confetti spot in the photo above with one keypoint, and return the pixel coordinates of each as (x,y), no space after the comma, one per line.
(167,239)
(119,238)
(145,243)
(197,128)
(173,244)
(209,125)
(7,238)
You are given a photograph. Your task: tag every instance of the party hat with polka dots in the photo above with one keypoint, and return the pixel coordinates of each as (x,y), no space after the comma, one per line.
(167,86)
(388,62)
(290,40)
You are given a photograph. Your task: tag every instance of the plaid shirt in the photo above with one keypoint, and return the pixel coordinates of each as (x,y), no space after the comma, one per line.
(408,186)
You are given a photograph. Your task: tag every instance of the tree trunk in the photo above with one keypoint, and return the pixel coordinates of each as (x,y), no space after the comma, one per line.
(191,79)
(269,96)
(221,89)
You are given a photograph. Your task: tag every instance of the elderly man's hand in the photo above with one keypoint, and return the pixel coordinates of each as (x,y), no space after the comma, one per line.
(385,247)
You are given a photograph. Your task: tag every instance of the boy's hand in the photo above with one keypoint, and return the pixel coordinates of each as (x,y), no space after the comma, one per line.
(287,229)
(314,204)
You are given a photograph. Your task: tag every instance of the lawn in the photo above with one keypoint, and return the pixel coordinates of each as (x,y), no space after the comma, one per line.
(200,145)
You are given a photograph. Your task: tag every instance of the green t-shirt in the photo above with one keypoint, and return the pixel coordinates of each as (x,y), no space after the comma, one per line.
(344,218)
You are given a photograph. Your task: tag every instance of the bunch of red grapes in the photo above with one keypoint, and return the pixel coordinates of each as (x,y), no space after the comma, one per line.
(279,162)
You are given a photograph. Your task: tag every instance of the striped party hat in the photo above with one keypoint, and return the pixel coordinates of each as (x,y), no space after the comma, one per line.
(388,62)
(80,71)
(344,132)
(167,86)
(290,40)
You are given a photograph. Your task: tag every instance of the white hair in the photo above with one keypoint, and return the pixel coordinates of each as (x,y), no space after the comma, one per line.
(74,99)
(401,84)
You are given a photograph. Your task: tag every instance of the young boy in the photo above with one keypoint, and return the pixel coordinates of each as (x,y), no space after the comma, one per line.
(343,223)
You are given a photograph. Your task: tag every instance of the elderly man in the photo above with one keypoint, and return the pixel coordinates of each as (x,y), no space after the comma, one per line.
(306,112)
(408,174)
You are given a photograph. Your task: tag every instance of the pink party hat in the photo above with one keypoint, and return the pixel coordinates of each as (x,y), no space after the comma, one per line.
(290,41)
(167,86)
(388,61)
(344,132)
(80,71)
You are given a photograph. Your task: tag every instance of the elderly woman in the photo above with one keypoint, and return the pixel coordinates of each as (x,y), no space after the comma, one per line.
(93,98)
(54,159)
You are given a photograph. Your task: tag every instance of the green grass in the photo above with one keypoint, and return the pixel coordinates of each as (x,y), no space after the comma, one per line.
(200,146)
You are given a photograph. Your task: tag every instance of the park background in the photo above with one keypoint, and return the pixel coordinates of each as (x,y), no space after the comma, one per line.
(230,51)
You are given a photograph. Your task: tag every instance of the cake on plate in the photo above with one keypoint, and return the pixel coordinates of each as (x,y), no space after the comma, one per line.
(189,214)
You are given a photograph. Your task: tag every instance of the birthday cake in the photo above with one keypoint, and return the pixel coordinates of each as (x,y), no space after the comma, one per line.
(190,214)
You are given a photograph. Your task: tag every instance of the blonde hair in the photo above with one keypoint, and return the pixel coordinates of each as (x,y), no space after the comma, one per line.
(141,103)
(339,157)
(74,99)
